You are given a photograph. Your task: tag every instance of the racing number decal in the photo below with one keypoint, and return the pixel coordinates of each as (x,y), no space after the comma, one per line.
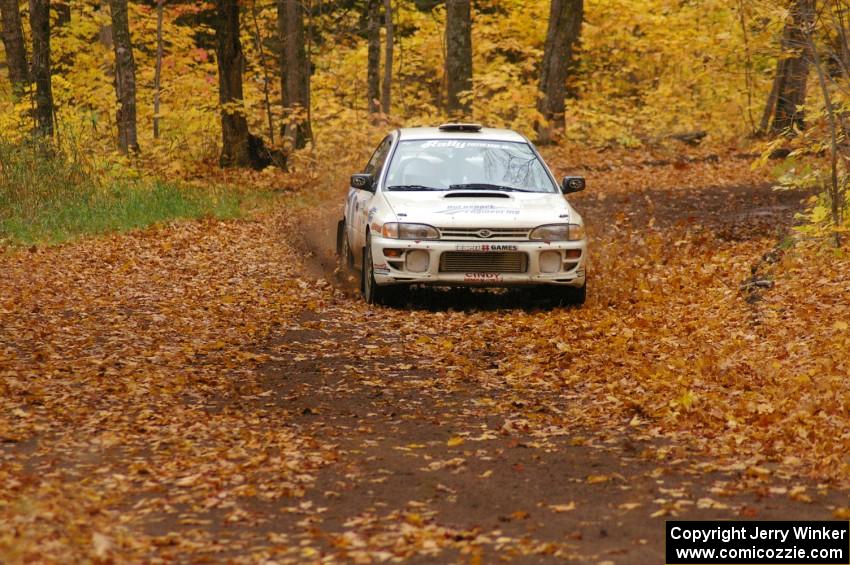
(358,210)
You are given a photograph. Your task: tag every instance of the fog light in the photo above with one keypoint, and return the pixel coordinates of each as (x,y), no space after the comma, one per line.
(550,261)
(417,261)
(573,253)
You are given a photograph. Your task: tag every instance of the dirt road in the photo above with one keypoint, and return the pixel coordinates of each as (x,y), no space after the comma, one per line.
(417,449)
(198,392)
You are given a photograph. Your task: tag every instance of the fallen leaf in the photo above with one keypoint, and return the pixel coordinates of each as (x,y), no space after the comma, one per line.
(563,507)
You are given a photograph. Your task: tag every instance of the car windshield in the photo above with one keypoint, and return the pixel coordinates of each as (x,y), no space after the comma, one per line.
(455,164)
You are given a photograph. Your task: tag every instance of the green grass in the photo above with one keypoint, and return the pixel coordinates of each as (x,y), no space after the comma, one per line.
(46,198)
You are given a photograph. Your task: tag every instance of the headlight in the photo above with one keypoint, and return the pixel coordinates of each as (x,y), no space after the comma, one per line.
(409,231)
(558,232)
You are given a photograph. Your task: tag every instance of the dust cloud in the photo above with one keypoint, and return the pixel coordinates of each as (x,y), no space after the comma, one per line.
(316,239)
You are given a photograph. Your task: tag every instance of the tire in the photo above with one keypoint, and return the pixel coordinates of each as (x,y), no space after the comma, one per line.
(343,249)
(570,295)
(372,293)
(340,233)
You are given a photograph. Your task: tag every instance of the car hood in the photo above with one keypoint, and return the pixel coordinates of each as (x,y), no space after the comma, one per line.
(479,208)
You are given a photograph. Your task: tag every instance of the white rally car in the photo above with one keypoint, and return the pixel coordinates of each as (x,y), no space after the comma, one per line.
(462,205)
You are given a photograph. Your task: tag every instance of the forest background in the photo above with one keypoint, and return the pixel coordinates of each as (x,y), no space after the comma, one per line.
(318,82)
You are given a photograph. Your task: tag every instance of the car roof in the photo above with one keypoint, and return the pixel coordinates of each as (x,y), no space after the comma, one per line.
(488,134)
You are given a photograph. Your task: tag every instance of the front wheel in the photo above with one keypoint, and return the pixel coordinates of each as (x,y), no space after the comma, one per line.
(570,295)
(343,249)
(372,292)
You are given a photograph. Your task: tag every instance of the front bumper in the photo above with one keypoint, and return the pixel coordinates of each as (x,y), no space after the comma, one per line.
(391,268)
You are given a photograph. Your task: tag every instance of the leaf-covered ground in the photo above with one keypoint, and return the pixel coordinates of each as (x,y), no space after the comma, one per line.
(196,391)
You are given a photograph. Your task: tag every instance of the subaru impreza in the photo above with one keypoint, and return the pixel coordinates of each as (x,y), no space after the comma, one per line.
(462,205)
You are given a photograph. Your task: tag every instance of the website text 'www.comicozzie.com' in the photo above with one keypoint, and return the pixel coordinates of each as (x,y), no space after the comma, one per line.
(698,542)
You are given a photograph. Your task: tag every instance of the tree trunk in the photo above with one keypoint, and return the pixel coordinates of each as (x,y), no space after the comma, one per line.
(105,32)
(160,5)
(565,18)
(458,58)
(258,40)
(63,12)
(13,42)
(748,64)
(125,77)
(295,74)
(373,72)
(835,189)
(792,73)
(386,86)
(769,108)
(239,147)
(843,47)
(40,25)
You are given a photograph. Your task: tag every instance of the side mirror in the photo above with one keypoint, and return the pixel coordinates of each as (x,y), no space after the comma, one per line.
(362,182)
(572,184)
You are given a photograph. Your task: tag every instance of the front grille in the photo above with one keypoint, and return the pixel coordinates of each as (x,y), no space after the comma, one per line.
(474,262)
(502,234)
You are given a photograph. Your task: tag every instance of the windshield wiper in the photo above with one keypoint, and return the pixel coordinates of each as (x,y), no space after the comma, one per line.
(412,187)
(486,186)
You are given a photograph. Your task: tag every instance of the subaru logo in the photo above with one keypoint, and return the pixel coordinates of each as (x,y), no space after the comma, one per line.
(485,233)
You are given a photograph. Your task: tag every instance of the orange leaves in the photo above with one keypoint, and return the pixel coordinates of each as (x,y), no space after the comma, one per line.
(668,343)
(123,358)
(188,481)
(200,55)
(194,377)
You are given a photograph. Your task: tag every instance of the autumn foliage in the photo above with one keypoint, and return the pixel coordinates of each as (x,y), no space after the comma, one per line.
(212,389)
(645,70)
